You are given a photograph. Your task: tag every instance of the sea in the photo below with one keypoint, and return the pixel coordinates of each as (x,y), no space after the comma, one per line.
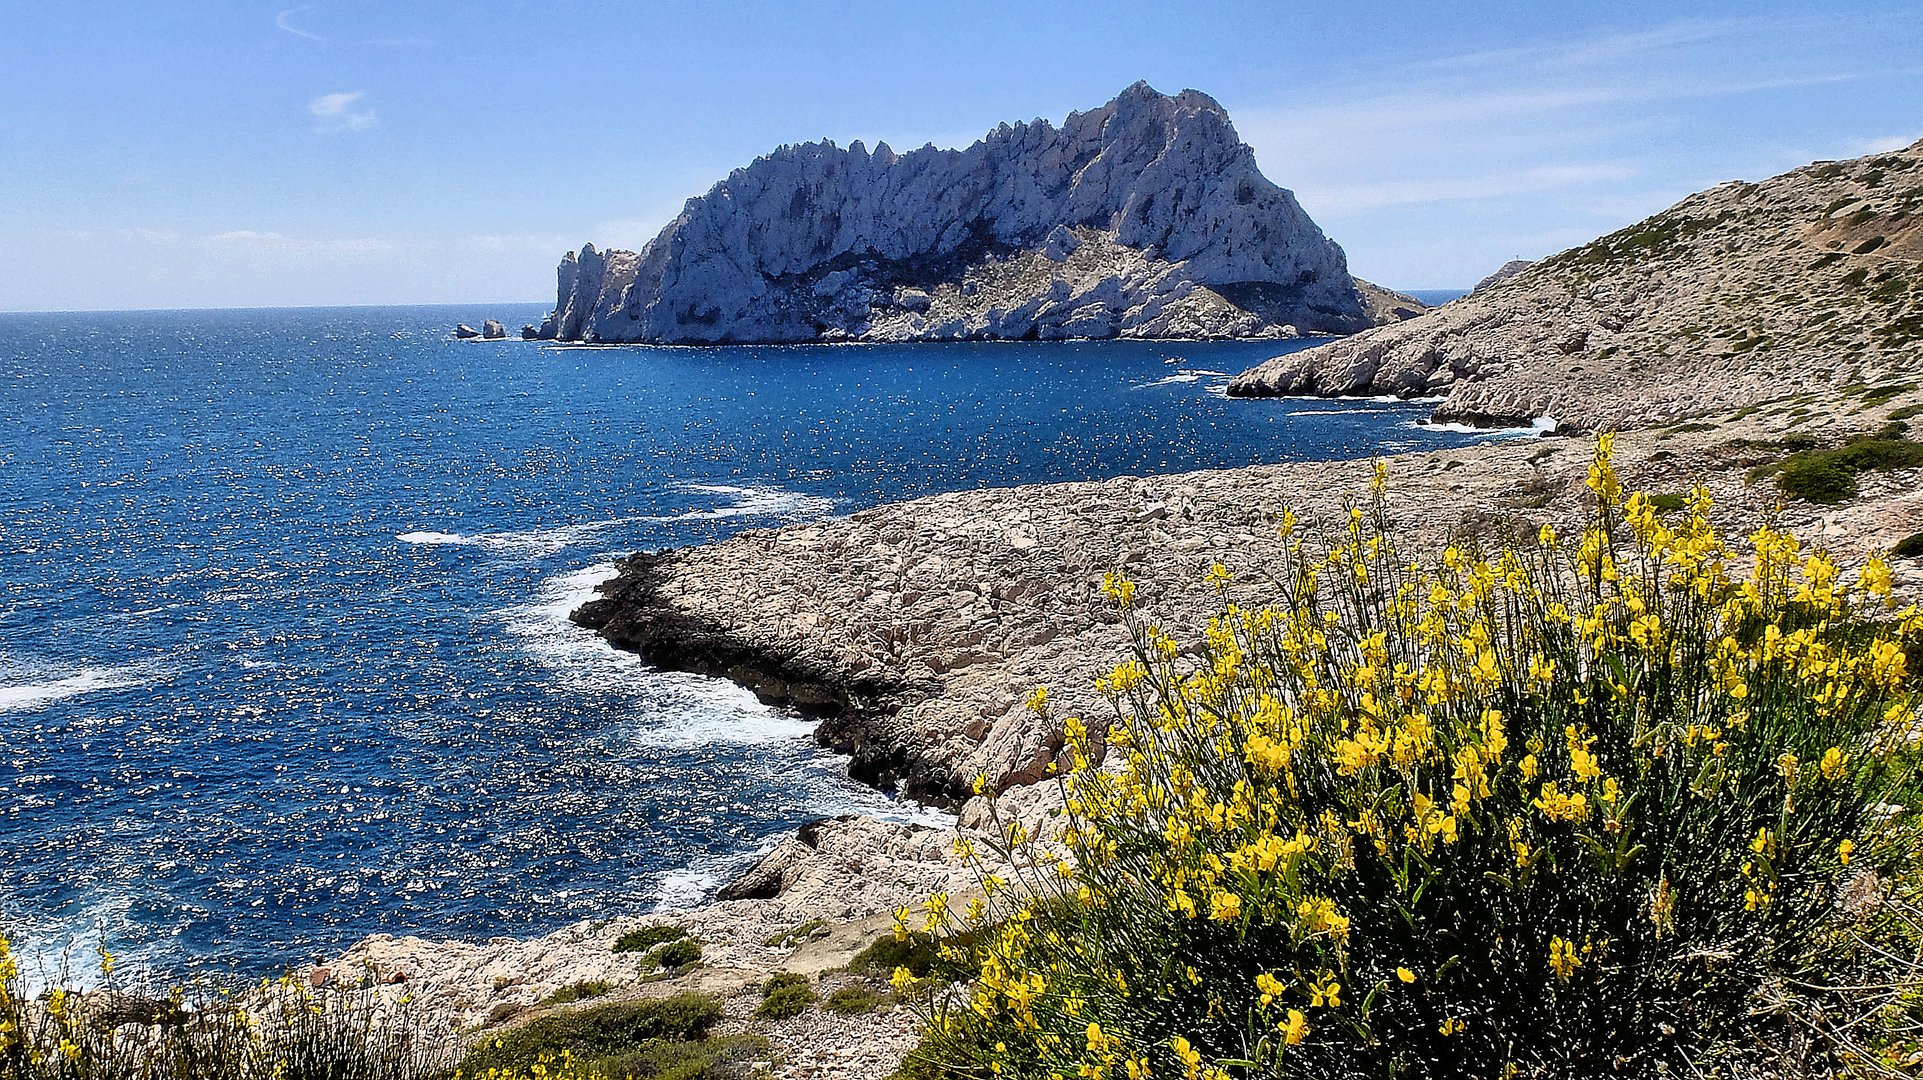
(284,649)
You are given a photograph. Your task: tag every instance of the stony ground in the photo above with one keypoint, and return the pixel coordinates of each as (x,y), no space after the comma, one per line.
(1809,280)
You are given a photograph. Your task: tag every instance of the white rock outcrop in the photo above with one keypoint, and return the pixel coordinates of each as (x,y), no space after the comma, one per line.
(1144,218)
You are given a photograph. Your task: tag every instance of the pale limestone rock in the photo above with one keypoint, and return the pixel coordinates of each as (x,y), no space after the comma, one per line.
(1146,217)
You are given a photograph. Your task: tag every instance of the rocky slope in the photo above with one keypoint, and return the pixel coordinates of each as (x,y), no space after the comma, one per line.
(1733,296)
(1144,218)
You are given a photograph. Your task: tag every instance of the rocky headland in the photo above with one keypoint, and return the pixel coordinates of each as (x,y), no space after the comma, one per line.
(1731,297)
(1145,218)
(915,632)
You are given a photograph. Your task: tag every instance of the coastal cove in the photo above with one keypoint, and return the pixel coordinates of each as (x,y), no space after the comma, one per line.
(284,658)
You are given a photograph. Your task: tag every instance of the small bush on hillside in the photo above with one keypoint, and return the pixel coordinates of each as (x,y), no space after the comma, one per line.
(675,954)
(584,990)
(647,938)
(1829,476)
(1910,547)
(786,994)
(587,1036)
(854,1000)
(1569,808)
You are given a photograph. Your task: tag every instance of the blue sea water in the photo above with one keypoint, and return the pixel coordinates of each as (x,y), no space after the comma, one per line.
(284,657)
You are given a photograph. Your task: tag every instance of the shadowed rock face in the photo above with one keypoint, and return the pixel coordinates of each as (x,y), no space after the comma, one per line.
(1146,217)
(1737,295)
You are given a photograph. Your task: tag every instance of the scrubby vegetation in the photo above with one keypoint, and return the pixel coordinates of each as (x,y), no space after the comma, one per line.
(853,1000)
(1830,476)
(1639,802)
(795,935)
(584,990)
(637,1039)
(675,955)
(784,995)
(648,937)
(282,1030)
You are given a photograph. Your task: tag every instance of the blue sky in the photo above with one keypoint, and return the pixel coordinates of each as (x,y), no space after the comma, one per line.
(199,154)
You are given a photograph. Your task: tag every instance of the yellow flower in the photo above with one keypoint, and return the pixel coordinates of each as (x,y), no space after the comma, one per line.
(1190,1057)
(1834,763)
(1325,991)
(1269,987)
(1294,1028)
(1219,577)
(1452,1026)
(1563,959)
(1844,850)
(1225,906)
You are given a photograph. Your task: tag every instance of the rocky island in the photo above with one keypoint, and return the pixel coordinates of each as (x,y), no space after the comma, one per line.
(1145,218)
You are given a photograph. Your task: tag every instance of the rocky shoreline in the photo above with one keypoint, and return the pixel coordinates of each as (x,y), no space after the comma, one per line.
(914,632)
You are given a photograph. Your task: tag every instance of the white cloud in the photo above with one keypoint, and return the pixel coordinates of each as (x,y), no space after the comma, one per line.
(341,112)
(1356,197)
(285,21)
(1883,144)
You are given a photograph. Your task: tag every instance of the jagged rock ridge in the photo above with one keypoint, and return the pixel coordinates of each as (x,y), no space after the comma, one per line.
(1144,218)
(1734,296)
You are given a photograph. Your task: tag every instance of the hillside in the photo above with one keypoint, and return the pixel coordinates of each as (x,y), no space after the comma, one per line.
(1734,296)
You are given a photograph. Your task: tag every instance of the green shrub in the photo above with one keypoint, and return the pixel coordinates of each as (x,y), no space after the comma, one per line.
(1910,547)
(853,1000)
(719,1058)
(675,954)
(647,938)
(1668,502)
(347,1030)
(1828,476)
(576,991)
(594,1033)
(1571,808)
(783,996)
(795,935)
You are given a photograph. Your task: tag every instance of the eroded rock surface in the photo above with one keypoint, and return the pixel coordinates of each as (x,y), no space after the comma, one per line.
(1145,218)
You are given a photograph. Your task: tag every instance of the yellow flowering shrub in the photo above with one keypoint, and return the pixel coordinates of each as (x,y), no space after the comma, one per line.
(1565,807)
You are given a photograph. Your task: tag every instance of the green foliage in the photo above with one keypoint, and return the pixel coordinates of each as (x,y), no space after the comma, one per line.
(680,953)
(1570,808)
(647,938)
(919,953)
(719,1058)
(795,935)
(853,1000)
(1669,502)
(786,994)
(1910,547)
(1829,476)
(584,990)
(594,1033)
(275,1031)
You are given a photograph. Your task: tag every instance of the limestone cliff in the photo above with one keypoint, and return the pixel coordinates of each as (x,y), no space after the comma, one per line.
(1734,296)
(1144,218)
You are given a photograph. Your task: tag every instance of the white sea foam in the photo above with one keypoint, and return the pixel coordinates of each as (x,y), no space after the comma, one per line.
(754,501)
(1338,412)
(434,538)
(540,543)
(34,686)
(1541,425)
(1171,380)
